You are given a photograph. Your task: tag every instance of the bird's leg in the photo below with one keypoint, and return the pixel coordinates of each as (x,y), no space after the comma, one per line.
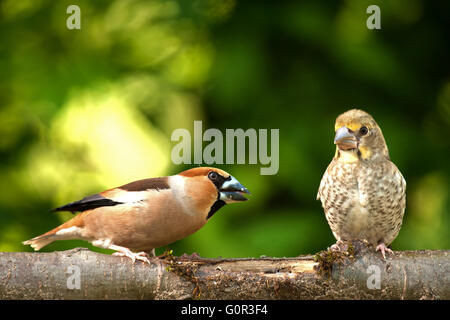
(383,248)
(125,252)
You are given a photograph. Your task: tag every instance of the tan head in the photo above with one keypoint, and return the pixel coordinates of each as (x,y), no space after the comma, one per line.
(217,186)
(358,136)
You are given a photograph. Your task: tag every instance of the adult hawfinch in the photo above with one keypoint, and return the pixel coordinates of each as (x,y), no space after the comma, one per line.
(138,217)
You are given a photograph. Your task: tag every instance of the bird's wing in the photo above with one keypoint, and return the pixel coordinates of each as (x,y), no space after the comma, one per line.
(131,192)
(324,180)
(87,203)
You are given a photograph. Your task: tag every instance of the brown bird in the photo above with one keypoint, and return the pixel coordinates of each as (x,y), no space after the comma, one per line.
(147,214)
(362,191)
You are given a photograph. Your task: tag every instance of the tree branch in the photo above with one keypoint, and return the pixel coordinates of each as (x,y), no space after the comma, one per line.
(351,274)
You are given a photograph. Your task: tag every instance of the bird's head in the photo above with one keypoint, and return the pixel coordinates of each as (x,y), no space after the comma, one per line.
(216,186)
(358,137)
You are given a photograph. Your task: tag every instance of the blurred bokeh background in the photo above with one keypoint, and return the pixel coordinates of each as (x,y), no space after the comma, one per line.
(86,110)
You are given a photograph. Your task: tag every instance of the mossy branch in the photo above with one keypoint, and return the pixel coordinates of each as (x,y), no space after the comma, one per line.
(353,274)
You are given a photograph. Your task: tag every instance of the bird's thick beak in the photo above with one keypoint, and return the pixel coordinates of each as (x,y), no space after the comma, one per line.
(345,139)
(233,191)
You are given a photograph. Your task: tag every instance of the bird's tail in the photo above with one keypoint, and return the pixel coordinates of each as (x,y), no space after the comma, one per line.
(40,241)
(68,230)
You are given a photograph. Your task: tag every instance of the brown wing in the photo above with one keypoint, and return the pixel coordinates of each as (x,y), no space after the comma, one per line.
(126,193)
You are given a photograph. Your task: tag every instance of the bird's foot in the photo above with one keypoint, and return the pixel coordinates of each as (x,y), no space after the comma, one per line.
(125,252)
(383,248)
(339,246)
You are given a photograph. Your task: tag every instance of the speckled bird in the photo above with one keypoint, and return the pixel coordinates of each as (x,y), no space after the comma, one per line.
(362,191)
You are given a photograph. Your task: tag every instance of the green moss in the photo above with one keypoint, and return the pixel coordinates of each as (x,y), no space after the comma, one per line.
(351,250)
(328,258)
(186,270)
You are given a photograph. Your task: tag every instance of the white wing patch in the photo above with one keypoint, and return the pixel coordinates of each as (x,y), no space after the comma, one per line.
(130,197)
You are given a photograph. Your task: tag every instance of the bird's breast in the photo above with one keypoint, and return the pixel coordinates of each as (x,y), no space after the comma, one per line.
(363,200)
(344,201)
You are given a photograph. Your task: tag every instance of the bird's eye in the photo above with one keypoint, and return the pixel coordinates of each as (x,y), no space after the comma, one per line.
(363,131)
(212,175)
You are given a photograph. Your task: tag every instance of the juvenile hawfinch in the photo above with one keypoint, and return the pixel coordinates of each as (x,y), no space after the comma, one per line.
(362,191)
(138,217)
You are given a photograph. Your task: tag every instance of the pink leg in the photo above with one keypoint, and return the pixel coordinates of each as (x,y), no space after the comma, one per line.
(337,246)
(125,252)
(383,248)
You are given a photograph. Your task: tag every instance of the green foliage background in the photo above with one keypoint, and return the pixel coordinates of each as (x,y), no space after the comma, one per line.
(86,110)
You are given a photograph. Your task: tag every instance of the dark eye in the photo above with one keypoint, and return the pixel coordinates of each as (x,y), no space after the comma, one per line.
(212,175)
(363,131)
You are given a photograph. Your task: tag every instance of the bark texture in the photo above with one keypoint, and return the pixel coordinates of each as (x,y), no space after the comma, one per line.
(348,274)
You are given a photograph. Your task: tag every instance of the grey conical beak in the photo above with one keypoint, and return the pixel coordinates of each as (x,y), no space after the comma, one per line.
(345,139)
(233,191)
